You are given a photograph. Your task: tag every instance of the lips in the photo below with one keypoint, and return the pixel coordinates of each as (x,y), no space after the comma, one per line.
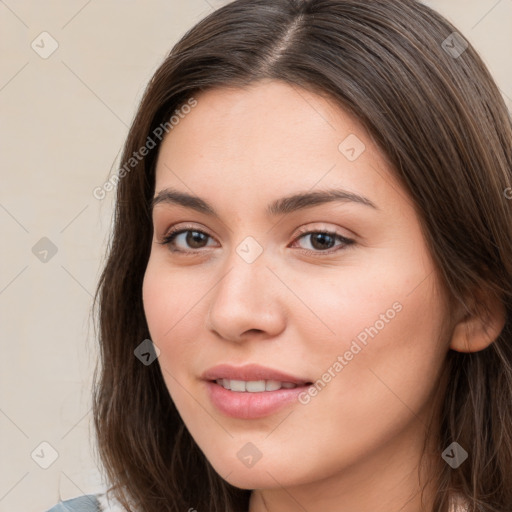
(251,391)
(251,373)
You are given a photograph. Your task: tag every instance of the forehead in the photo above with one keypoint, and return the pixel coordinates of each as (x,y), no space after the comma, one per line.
(266,140)
(263,114)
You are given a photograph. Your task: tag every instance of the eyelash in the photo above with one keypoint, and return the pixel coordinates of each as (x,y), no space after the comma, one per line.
(173,233)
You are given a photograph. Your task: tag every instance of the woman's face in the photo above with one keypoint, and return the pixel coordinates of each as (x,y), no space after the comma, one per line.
(358,312)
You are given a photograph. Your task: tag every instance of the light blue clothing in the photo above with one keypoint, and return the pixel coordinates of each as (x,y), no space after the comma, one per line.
(85,503)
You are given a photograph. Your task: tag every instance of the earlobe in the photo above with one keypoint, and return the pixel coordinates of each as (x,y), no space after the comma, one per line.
(477,329)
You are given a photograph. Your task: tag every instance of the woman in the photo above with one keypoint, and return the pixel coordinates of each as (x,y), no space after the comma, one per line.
(306,303)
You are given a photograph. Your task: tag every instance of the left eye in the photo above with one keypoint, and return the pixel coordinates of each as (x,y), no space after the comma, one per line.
(321,241)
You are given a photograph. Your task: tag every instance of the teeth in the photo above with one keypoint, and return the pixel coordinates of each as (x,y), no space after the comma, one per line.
(272,385)
(237,385)
(254,386)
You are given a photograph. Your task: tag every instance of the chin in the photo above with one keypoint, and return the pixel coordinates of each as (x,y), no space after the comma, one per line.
(264,474)
(251,479)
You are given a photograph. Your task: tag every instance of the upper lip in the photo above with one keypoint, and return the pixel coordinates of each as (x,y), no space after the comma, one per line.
(250,372)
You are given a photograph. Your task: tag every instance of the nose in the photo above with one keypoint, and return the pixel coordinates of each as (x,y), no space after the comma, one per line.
(247,301)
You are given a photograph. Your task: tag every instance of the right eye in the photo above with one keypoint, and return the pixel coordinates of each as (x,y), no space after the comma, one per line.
(194,239)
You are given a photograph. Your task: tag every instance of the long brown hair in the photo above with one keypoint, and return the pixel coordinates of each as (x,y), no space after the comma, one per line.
(440,119)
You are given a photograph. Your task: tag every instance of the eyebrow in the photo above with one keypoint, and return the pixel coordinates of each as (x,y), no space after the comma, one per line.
(284,205)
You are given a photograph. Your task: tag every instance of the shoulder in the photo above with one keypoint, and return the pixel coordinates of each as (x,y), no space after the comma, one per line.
(101,502)
(85,503)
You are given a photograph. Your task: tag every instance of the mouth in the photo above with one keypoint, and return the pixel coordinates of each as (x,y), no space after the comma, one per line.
(256,386)
(252,391)
(252,374)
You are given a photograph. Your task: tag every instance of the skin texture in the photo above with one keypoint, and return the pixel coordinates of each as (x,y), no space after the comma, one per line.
(355,446)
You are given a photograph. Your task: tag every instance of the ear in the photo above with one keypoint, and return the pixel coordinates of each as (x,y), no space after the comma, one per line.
(479,326)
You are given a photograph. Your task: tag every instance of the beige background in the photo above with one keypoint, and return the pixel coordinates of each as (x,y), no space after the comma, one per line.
(64,119)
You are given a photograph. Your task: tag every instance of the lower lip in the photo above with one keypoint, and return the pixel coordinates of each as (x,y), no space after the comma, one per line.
(247,405)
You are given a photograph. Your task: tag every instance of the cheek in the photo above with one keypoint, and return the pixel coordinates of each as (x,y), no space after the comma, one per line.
(364,302)
(172,306)
(379,344)
(169,298)
(162,310)
(382,388)
(156,302)
(382,363)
